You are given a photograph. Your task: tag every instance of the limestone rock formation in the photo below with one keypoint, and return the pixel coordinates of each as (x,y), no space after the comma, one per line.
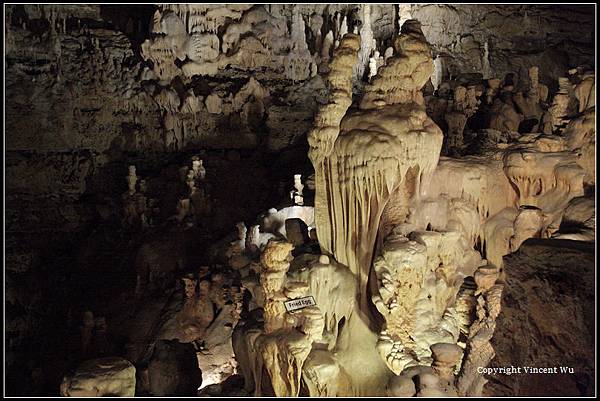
(287,338)
(578,221)
(516,192)
(380,269)
(391,122)
(463,106)
(173,370)
(418,283)
(104,377)
(296,231)
(157,259)
(444,26)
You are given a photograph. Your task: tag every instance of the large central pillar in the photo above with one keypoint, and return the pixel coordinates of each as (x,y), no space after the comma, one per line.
(362,156)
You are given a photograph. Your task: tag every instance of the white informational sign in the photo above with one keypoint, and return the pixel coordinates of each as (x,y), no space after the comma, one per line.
(299,303)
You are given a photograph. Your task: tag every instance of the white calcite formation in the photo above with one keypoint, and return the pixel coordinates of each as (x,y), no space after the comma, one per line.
(286,339)
(298,63)
(274,220)
(417,238)
(460,109)
(404,13)
(135,204)
(342,145)
(418,283)
(438,73)
(366,43)
(257,240)
(296,193)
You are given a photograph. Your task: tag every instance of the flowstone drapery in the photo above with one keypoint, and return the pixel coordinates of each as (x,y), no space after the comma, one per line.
(362,157)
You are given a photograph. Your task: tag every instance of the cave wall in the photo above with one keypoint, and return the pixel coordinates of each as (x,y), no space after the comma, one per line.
(76,80)
(81,94)
(552,37)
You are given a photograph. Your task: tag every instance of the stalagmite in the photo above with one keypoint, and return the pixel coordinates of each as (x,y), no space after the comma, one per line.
(86,332)
(326,48)
(287,338)
(404,14)
(504,116)
(585,92)
(366,42)
(462,107)
(418,281)
(486,68)
(493,86)
(438,73)
(560,105)
(131,179)
(214,104)
(580,132)
(472,201)
(479,350)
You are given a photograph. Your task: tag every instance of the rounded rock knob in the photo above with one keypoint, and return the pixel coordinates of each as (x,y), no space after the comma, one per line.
(401,386)
(324,259)
(446,353)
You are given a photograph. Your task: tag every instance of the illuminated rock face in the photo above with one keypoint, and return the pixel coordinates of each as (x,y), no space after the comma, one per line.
(380,184)
(364,156)
(418,283)
(283,344)
(251,38)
